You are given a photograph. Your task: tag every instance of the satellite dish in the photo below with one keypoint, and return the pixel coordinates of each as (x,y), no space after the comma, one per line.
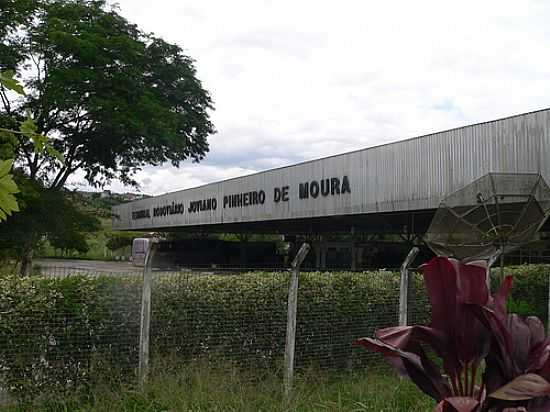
(494,215)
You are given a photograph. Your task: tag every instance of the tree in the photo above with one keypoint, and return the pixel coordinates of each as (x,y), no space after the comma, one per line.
(8,143)
(109,97)
(45,214)
(67,230)
(8,202)
(116,241)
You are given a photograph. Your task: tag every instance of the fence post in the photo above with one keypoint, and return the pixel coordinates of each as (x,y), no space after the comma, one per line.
(404,287)
(291,322)
(146,314)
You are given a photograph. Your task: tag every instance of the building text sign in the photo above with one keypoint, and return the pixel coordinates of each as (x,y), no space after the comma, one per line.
(315,189)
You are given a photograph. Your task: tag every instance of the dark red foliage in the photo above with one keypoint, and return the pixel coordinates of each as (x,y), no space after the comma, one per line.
(468,327)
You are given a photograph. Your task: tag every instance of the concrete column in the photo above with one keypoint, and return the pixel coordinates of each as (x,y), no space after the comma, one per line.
(243,259)
(353,257)
(360,251)
(317,248)
(323,254)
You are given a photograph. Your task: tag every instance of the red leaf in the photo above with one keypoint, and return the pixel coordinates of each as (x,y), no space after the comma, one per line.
(441,285)
(521,339)
(537,330)
(523,387)
(450,286)
(539,359)
(417,366)
(404,337)
(472,284)
(500,298)
(463,404)
(457,404)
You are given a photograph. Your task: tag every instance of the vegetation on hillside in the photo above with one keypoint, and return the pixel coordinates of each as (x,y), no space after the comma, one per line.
(100,243)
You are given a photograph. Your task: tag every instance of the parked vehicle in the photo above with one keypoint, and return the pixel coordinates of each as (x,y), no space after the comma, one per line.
(140,246)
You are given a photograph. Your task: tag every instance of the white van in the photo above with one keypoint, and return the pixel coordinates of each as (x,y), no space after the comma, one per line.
(140,246)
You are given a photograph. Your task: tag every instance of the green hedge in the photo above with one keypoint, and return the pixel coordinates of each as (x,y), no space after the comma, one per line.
(59,334)
(56,333)
(530,293)
(243,317)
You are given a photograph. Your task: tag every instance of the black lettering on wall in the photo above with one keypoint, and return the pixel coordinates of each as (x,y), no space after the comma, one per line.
(277,195)
(303,190)
(141,214)
(196,206)
(244,199)
(170,209)
(345,185)
(326,186)
(284,197)
(314,189)
(334,186)
(280,194)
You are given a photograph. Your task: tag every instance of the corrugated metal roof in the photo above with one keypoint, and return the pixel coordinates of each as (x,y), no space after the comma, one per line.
(407,175)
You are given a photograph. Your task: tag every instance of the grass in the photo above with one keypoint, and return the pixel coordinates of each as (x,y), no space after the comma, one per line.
(199,387)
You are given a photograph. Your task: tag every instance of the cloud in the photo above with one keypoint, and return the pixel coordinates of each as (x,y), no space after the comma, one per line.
(292,43)
(294,81)
(158,180)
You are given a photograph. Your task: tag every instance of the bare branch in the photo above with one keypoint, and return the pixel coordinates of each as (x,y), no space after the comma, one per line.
(66,170)
(5,100)
(26,153)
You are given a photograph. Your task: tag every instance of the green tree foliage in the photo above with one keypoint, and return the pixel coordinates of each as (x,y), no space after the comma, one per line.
(68,234)
(105,97)
(111,97)
(116,241)
(8,144)
(8,188)
(14,14)
(45,214)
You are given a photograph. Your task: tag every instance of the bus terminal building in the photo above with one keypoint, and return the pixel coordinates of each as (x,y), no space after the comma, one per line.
(391,189)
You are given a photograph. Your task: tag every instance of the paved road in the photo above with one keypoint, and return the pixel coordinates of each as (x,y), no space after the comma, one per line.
(87,265)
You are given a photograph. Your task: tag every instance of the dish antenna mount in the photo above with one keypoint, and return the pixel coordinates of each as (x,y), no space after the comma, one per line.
(491,216)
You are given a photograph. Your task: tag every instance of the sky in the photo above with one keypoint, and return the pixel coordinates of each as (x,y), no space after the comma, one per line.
(298,80)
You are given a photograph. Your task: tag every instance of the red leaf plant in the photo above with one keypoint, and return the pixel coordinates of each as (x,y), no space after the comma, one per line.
(492,361)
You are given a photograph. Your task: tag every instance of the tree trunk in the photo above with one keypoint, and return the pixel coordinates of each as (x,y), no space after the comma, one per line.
(26,262)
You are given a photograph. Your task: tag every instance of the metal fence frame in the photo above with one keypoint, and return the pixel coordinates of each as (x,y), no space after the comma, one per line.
(409,305)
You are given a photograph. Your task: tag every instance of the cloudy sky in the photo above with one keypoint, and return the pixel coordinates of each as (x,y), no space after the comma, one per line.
(297,80)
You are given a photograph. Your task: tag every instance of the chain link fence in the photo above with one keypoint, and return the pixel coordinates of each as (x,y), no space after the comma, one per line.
(239,317)
(60,333)
(529,296)
(66,328)
(242,317)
